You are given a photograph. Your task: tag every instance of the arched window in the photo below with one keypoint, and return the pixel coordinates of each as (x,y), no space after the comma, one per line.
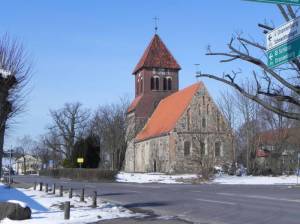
(217,149)
(157,83)
(152,83)
(169,83)
(218,121)
(207,109)
(202,148)
(165,83)
(187,148)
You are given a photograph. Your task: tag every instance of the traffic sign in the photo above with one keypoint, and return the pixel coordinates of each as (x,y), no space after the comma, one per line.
(283,34)
(80,160)
(290,2)
(283,53)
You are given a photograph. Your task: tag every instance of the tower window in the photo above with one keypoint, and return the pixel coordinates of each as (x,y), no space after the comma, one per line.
(165,83)
(169,83)
(187,148)
(152,83)
(155,83)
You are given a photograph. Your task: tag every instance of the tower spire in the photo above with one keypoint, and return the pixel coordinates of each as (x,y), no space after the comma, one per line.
(156,24)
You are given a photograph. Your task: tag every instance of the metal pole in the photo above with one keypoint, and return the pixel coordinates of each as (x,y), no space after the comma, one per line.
(298,168)
(9,172)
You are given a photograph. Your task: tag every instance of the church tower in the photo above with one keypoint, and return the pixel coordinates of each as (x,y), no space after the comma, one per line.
(156,77)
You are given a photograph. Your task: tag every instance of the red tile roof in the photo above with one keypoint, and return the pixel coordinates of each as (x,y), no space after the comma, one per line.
(134,103)
(157,55)
(271,137)
(168,112)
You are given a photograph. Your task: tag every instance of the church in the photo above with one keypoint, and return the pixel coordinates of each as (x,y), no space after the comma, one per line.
(171,130)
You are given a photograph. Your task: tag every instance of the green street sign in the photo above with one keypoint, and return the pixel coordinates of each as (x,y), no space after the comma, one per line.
(283,53)
(291,2)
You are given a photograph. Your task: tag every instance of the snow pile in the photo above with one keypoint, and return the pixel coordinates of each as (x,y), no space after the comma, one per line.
(153,178)
(21,203)
(47,208)
(256,180)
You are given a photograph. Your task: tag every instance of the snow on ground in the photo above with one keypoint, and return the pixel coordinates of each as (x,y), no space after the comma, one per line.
(153,178)
(256,180)
(45,208)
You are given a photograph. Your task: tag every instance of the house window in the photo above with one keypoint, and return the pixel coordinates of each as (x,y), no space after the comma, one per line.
(203,123)
(155,83)
(202,148)
(187,148)
(217,149)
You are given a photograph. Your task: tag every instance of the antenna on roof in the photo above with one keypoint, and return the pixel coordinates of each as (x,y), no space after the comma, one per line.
(156,24)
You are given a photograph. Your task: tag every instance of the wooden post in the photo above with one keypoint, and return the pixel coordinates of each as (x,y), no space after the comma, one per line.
(94,205)
(82,195)
(67,206)
(70,192)
(41,186)
(34,186)
(54,188)
(46,188)
(61,191)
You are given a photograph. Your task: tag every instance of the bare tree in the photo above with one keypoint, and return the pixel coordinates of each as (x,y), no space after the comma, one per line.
(281,84)
(14,76)
(109,125)
(69,125)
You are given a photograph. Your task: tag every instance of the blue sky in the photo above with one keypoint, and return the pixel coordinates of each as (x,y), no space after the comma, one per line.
(86,50)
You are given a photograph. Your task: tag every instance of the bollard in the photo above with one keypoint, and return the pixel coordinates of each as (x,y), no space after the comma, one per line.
(46,188)
(34,186)
(54,188)
(41,186)
(61,191)
(94,205)
(67,209)
(82,195)
(70,193)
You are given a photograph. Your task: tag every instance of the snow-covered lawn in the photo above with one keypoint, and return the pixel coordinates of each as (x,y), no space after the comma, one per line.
(46,208)
(256,180)
(153,178)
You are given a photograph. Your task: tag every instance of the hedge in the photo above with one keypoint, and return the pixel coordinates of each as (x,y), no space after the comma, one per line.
(80,174)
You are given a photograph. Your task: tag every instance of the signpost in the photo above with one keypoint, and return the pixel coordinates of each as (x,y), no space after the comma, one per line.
(283,43)
(290,2)
(80,161)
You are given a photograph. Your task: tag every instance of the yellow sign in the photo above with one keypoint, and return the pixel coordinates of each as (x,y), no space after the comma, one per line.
(80,160)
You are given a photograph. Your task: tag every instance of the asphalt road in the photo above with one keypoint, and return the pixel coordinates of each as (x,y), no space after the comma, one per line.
(205,204)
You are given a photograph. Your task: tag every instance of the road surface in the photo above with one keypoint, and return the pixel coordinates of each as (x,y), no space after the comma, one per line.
(205,203)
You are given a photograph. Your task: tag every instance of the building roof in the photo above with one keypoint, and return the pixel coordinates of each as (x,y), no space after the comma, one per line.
(157,55)
(134,103)
(168,112)
(273,137)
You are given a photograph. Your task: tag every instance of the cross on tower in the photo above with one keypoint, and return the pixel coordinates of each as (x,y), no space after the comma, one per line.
(156,23)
